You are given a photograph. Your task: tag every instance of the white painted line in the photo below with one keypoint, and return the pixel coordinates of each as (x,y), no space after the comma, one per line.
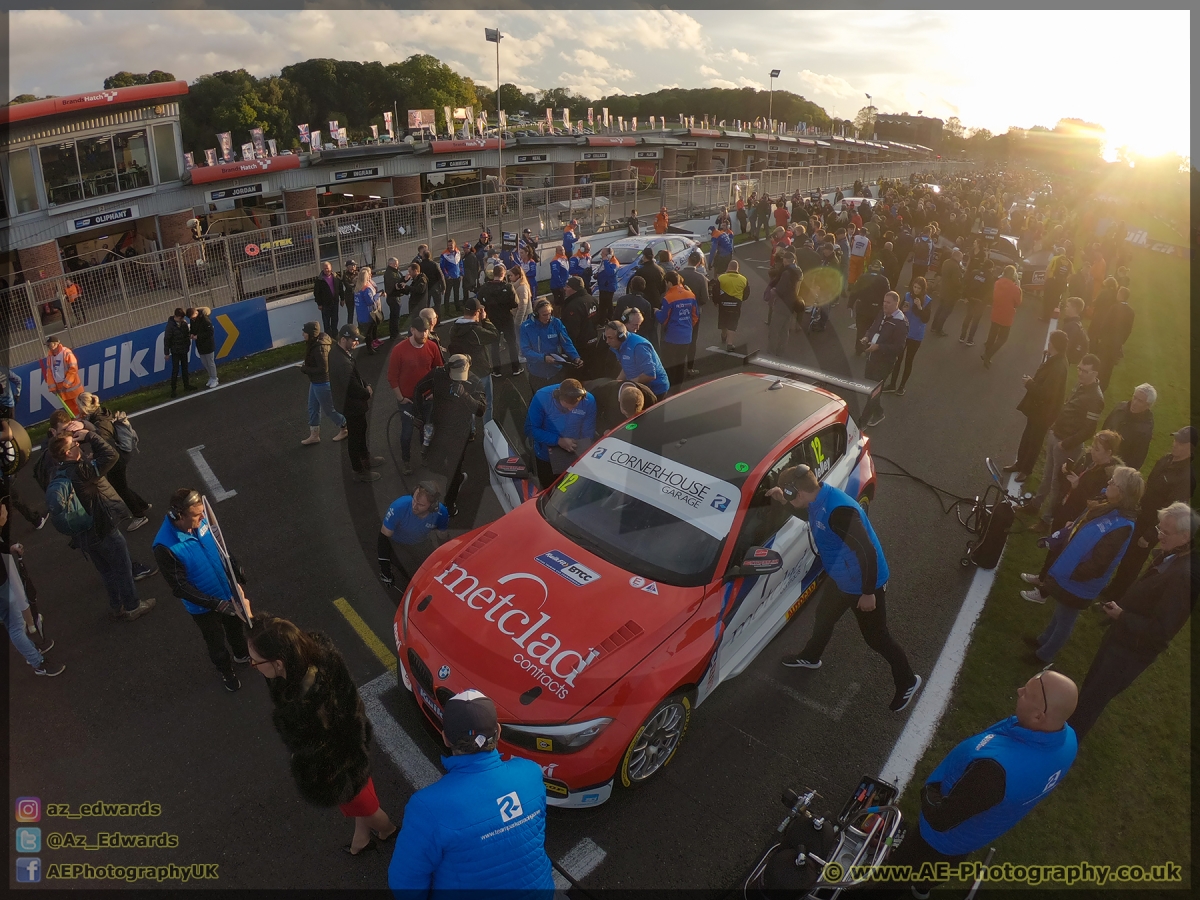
(724,352)
(210,479)
(394,740)
(579,862)
(835,713)
(918,731)
(206,391)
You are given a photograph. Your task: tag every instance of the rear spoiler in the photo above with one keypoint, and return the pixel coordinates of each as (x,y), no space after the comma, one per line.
(844,386)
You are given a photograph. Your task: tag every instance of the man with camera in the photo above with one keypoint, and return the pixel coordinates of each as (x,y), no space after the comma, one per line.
(852,555)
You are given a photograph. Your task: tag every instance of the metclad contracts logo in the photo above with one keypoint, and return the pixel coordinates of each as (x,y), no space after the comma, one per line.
(543,657)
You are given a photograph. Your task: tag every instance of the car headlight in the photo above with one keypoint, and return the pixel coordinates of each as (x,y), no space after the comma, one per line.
(407,600)
(555,738)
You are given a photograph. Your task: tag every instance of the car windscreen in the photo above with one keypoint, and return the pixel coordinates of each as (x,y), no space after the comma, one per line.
(644,513)
(626,255)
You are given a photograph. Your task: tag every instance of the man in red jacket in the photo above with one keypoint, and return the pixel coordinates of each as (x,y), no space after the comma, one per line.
(1006,297)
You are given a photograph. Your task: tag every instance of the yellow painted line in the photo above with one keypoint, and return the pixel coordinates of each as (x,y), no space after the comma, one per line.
(374,644)
(231,335)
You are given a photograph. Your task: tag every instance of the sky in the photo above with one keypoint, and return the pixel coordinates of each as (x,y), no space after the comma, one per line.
(1129,72)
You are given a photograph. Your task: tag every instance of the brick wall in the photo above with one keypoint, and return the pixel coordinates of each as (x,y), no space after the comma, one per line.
(300,205)
(40,263)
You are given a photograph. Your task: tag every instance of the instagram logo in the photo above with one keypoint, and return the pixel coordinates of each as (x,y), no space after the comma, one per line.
(29,809)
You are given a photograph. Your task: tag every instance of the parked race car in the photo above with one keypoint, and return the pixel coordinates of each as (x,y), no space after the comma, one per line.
(1003,250)
(627,251)
(600,613)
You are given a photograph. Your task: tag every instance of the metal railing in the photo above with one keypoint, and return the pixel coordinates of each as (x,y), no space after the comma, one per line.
(103,301)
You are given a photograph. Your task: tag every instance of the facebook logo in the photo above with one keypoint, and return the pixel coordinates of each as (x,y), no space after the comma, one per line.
(29,869)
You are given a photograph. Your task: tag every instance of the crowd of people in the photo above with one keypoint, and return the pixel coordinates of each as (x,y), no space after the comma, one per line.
(593,358)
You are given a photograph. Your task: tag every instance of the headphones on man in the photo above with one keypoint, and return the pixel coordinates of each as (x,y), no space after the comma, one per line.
(181,501)
(790,490)
(622,331)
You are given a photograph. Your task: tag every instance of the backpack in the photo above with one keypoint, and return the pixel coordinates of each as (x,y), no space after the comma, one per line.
(66,512)
(124,436)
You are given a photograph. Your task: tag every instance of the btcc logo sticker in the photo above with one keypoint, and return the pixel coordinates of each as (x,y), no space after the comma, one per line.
(574,572)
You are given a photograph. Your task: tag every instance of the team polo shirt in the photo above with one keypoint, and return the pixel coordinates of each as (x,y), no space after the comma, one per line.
(409,528)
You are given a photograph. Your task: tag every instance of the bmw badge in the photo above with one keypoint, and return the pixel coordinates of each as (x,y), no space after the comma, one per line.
(444,673)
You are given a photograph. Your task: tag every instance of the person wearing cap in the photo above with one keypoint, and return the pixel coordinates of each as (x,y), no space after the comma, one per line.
(988,783)
(327,292)
(454,397)
(561,422)
(320,398)
(472,334)
(60,371)
(1171,480)
(481,828)
(409,362)
(353,395)
(638,359)
(349,278)
(415,522)
(546,346)
(720,249)
(319,714)
(852,555)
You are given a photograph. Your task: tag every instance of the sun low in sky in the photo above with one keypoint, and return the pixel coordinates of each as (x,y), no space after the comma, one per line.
(1128,71)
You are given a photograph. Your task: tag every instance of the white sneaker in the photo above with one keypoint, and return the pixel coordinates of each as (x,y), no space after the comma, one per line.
(1030,579)
(136,523)
(801,663)
(212,383)
(1034,596)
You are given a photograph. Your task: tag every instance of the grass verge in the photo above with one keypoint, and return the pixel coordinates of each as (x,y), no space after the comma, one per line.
(1127,800)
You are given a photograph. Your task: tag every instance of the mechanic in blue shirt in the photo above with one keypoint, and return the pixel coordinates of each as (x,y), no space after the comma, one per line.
(850,552)
(606,283)
(570,236)
(480,830)
(680,317)
(720,249)
(560,271)
(450,263)
(991,781)
(638,359)
(408,523)
(190,560)
(581,265)
(546,346)
(562,422)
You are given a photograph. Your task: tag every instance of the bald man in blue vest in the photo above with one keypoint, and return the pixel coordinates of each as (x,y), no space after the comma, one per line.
(851,553)
(188,557)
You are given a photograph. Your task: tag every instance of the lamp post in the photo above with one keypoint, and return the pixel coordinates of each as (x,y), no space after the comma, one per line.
(770,112)
(494,35)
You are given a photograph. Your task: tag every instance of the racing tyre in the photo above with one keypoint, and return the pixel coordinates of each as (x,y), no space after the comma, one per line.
(655,743)
(865,503)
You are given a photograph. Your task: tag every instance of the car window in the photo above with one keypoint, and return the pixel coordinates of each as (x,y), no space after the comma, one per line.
(676,245)
(824,449)
(626,255)
(509,409)
(764,517)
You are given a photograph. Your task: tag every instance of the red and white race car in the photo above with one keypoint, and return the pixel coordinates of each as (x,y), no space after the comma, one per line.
(599,614)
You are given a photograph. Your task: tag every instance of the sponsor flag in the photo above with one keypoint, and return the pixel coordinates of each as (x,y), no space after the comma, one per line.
(566,119)
(271,148)
(633,123)
(225,140)
(304,134)
(549,117)
(190,160)
(449,120)
(316,140)
(342,139)
(591,121)
(256,138)
(387,123)
(333,126)
(503,120)
(210,157)
(248,151)
(375,132)
(604,111)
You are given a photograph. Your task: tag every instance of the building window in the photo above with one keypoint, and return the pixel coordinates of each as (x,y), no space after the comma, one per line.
(24,187)
(97,168)
(60,172)
(133,159)
(166,153)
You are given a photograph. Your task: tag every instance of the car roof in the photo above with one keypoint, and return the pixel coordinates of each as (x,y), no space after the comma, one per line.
(731,420)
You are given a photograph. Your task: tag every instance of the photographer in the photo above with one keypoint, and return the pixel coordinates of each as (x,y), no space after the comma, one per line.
(499,300)
(190,560)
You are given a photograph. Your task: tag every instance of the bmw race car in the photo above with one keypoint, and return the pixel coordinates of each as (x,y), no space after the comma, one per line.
(627,251)
(601,612)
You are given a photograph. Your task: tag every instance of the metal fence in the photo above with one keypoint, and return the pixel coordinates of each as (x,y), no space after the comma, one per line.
(104,301)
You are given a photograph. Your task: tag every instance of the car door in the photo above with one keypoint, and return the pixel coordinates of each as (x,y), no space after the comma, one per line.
(754,609)
(504,436)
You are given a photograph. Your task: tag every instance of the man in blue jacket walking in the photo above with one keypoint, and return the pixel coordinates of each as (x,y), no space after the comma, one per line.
(850,552)
(482,827)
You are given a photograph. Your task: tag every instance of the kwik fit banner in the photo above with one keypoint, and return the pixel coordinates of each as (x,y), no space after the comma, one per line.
(130,361)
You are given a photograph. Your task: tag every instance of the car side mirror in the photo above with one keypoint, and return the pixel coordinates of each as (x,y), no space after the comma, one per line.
(758,561)
(512,467)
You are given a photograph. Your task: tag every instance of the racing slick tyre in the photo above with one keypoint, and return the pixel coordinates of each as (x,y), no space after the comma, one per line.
(655,743)
(864,503)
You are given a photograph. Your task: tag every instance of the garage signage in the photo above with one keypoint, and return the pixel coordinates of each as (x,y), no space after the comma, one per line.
(242,190)
(647,154)
(595,154)
(443,164)
(96,220)
(351,174)
(690,495)
(721,145)
(688,144)
(749,146)
(532,158)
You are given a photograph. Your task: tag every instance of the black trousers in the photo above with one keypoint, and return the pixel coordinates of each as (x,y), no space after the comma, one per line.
(691,355)
(674,360)
(864,315)
(1108,362)
(1115,668)
(604,307)
(1131,565)
(545,472)
(356,440)
(911,346)
(217,629)
(997,336)
(117,477)
(179,362)
(873,625)
(455,482)
(329,320)
(508,331)
(945,306)
(1050,294)
(393,316)
(970,324)
(1032,439)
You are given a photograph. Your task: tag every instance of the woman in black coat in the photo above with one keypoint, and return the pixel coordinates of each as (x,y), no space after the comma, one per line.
(321,718)
(204,333)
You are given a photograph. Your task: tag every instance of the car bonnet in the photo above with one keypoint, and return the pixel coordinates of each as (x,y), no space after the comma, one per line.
(537,623)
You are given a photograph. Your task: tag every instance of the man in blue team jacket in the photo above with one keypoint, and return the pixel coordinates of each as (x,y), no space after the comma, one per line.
(546,346)
(851,554)
(482,827)
(638,359)
(561,422)
(188,557)
(991,781)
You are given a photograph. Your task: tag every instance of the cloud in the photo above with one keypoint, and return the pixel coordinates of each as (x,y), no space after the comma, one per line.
(738,56)
(720,83)
(709,71)
(743,81)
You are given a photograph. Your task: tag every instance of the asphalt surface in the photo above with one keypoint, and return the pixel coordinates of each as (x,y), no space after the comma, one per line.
(141,715)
